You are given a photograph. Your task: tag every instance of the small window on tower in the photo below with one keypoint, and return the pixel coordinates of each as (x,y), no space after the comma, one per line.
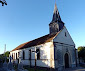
(65,34)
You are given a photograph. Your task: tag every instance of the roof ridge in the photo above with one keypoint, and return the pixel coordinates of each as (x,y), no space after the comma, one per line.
(38,41)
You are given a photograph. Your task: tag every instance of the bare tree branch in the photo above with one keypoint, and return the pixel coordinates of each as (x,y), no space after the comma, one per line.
(3,2)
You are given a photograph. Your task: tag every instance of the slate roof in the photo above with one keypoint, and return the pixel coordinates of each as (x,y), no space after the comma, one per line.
(38,41)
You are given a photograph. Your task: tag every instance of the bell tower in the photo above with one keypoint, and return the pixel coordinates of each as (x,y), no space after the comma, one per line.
(56,24)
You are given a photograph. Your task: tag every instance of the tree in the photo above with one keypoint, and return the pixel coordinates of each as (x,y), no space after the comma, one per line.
(80,48)
(81,52)
(3,2)
(7,54)
(2,56)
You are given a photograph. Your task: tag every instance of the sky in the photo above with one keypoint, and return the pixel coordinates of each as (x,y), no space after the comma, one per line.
(25,20)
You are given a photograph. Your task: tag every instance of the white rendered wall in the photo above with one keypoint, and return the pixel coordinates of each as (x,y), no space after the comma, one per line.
(61,38)
(45,50)
(14,52)
(44,55)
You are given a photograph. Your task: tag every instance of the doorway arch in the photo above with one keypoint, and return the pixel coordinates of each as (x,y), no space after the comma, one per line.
(66,59)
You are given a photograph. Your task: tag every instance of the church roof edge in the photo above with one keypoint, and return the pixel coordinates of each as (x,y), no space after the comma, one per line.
(35,42)
(38,41)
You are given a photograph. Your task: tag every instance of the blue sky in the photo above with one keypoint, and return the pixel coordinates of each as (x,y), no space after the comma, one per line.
(22,21)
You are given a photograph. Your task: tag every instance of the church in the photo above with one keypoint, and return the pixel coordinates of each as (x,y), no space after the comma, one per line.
(55,50)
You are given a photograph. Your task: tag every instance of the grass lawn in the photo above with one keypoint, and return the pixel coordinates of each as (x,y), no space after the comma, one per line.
(31,69)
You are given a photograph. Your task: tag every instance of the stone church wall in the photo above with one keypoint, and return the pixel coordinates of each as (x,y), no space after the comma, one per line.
(73,52)
(59,53)
(63,44)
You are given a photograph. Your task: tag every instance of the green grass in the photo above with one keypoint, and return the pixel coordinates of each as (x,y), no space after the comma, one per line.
(33,69)
(30,69)
(82,66)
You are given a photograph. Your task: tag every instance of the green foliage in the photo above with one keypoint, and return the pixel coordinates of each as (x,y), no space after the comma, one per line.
(7,54)
(80,48)
(81,52)
(2,56)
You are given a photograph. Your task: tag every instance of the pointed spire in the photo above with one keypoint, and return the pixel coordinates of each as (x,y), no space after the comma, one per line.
(56,16)
(56,24)
(55,8)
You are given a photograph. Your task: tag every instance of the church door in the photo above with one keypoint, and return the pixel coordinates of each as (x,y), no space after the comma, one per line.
(66,60)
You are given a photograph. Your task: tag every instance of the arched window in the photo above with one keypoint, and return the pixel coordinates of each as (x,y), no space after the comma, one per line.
(23,55)
(38,53)
(16,55)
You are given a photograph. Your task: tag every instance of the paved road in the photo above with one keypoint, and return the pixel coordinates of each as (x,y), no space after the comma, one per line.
(75,69)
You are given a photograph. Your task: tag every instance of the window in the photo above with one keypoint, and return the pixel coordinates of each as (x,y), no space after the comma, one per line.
(38,53)
(16,55)
(65,34)
(23,55)
(30,54)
